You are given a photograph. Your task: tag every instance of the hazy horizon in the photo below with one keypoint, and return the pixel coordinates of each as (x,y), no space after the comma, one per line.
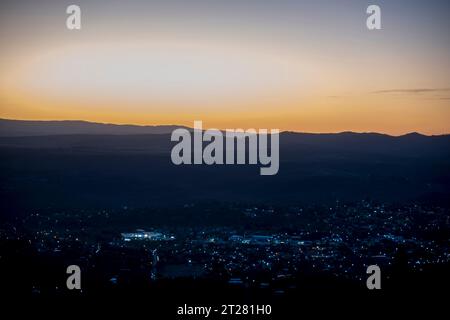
(205,128)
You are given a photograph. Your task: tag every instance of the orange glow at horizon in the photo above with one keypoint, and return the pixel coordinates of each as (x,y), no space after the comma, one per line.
(151,76)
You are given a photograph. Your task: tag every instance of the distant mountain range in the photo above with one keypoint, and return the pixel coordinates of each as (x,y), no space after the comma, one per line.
(16,128)
(23,128)
(82,136)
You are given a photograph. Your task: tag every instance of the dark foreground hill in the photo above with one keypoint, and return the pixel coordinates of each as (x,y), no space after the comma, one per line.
(136,171)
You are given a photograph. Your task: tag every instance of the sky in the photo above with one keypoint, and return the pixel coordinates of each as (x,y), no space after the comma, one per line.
(309,66)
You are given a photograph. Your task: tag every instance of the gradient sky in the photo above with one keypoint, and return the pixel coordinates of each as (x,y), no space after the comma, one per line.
(294,65)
